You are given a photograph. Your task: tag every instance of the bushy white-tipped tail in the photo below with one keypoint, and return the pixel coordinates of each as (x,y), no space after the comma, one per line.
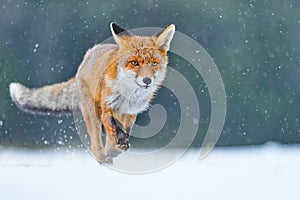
(54,99)
(15,90)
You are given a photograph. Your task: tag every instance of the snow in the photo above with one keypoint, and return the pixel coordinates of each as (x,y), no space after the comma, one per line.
(266,172)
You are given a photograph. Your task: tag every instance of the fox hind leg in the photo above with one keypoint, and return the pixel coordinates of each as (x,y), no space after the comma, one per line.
(110,130)
(94,130)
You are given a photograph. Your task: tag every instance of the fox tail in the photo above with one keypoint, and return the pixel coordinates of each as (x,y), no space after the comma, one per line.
(57,99)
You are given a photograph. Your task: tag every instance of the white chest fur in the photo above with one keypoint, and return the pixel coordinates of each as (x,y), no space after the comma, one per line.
(133,103)
(128,98)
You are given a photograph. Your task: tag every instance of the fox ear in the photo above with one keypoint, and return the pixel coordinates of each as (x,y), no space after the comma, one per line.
(118,31)
(164,38)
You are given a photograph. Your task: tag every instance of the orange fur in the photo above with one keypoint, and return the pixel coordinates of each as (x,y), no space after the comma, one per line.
(113,84)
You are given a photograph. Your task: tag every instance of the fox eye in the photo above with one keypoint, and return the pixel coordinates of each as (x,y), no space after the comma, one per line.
(135,63)
(154,64)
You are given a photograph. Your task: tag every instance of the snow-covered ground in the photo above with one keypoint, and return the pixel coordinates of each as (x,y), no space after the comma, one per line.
(267,172)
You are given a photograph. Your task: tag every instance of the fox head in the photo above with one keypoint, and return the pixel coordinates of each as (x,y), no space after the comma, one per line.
(142,60)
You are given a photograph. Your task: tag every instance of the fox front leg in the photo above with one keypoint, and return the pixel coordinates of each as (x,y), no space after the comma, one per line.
(117,132)
(123,126)
(121,135)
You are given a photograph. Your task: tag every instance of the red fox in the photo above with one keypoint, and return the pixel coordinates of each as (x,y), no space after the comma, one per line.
(113,84)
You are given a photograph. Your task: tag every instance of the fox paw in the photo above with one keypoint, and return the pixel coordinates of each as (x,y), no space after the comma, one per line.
(105,160)
(113,152)
(122,140)
(123,145)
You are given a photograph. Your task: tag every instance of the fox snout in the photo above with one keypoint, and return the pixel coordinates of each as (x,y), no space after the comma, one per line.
(144,82)
(147,80)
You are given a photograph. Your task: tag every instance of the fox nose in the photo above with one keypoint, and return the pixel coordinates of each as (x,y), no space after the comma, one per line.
(147,80)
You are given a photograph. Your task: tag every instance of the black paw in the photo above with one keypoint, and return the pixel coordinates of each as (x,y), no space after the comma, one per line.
(122,140)
(124,145)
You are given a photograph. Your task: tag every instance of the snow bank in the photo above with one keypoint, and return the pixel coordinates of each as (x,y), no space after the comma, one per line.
(268,172)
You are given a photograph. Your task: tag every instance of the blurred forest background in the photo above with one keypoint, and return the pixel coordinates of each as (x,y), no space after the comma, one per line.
(255,44)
